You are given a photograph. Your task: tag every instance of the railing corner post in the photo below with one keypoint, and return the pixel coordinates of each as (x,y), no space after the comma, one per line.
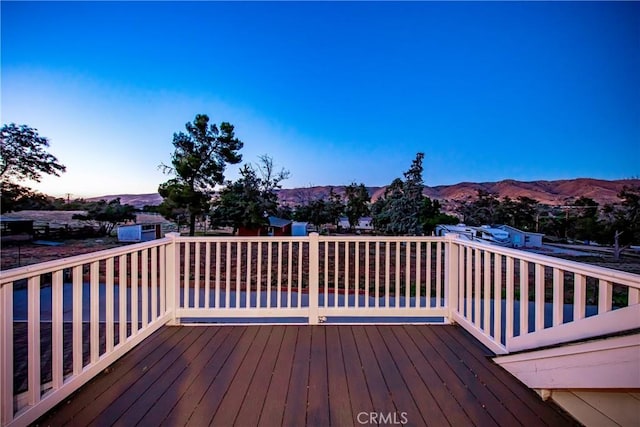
(451,275)
(314,279)
(173,277)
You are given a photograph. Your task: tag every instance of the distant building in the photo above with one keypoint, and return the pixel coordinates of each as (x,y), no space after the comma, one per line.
(365,223)
(343,223)
(522,239)
(139,232)
(503,235)
(299,228)
(277,227)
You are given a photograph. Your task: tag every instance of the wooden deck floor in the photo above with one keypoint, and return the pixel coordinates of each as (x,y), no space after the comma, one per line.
(306,375)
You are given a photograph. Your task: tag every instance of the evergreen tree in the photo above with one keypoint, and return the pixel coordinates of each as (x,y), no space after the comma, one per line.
(357,204)
(198,163)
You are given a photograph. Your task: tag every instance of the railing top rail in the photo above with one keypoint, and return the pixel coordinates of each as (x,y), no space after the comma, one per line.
(55,265)
(339,238)
(233,239)
(609,274)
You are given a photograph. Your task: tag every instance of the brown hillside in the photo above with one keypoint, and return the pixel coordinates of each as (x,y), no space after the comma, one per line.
(546,192)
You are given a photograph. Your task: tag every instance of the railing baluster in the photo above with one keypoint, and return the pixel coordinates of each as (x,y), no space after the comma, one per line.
(269,267)
(259,276)
(94,294)
(289,273)
(187,275)
(377,275)
(605,296)
(163,279)
(218,273)
(279,292)
(134,293)
(428,279)
(357,273)
(497,298)
(387,273)
(207,275)
(33,343)
(326,274)
(336,263)
(154,283)
(634,296)
(558,296)
(227,295)
(486,327)
(122,296)
(540,297)
(524,297)
(476,288)
(57,323)
(439,282)
(579,296)
(247,301)
(468,283)
(407,285)
(77,319)
(109,304)
(346,273)
(509,305)
(462,283)
(238,271)
(367,273)
(397,260)
(418,273)
(196,278)
(300,258)
(145,288)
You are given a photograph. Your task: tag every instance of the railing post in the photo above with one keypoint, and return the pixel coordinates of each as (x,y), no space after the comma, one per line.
(314,279)
(452,275)
(173,277)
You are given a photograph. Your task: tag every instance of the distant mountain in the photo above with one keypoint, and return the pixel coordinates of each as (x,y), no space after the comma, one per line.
(137,200)
(546,192)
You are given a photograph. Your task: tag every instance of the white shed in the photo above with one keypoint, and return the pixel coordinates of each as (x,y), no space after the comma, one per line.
(139,232)
(522,239)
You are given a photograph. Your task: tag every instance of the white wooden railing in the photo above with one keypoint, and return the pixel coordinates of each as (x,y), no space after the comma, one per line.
(63,322)
(542,300)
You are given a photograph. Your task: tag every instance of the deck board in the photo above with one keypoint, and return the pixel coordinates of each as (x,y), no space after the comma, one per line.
(319,375)
(273,408)
(295,410)
(340,406)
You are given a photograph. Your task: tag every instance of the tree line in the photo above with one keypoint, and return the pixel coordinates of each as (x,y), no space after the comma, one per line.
(198,192)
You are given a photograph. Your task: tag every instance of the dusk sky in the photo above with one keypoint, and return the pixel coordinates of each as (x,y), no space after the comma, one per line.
(334,92)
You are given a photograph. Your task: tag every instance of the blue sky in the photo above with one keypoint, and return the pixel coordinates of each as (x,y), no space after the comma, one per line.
(334,92)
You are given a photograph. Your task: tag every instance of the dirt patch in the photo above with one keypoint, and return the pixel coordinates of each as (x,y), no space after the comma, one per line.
(19,255)
(630,264)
